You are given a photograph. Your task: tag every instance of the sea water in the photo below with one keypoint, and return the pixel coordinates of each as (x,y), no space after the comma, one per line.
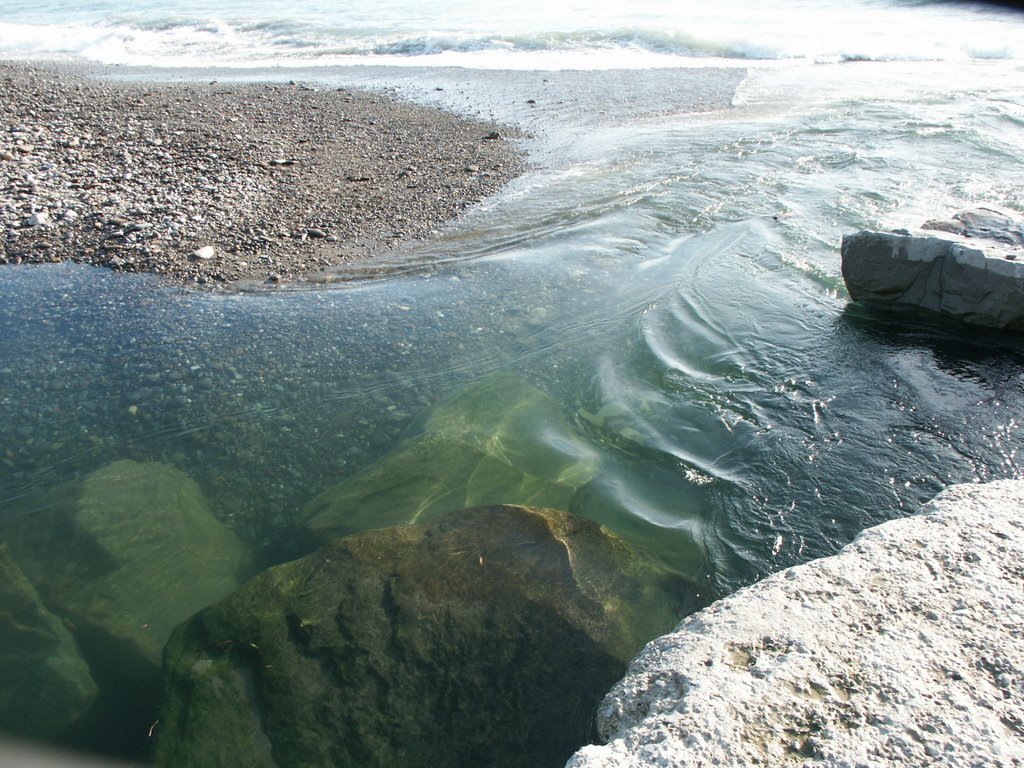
(528,34)
(669,276)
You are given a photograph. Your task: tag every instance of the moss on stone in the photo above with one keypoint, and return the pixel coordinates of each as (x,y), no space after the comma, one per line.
(485,637)
(47,686)
(500,441)
(128,553)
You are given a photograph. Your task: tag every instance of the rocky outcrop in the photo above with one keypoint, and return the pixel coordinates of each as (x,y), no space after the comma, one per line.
(501,441)
(973,272)
(47,686)
(982,223)
(902,650)
(484,638)
(127,554)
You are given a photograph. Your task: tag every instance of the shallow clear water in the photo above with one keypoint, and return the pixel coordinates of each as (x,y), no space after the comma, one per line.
(670,279)
(674,286)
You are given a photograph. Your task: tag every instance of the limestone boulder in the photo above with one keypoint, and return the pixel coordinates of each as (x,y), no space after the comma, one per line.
(500,441)
(902,651)
(47,686)
(127,554)
(973,272)
(485,637)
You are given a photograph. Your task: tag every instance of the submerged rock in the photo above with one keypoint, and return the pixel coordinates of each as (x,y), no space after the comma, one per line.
(500,441)
(127,554)
(47,686)
(903,650)
(975,273)
(484,638)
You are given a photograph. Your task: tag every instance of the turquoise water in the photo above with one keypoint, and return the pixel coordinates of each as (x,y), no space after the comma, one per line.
(670,279)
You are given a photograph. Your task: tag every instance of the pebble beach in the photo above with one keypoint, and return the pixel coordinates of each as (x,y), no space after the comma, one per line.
(212,183)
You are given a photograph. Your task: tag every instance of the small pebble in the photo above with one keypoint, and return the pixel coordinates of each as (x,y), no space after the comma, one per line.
(142,172)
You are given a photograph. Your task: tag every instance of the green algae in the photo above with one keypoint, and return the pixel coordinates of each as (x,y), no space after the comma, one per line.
(47,686)
(485,637)
(128,553)
(500,441)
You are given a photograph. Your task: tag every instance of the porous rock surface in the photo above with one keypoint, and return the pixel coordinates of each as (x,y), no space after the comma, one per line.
(902,650)
(973,272)
(486,637)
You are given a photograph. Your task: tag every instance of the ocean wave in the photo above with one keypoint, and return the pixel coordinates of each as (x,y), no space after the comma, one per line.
(185,40)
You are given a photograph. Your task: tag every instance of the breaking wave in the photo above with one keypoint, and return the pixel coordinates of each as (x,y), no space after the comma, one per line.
(831,33)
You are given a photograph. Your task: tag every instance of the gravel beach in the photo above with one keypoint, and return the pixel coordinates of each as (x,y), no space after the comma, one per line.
(212,183)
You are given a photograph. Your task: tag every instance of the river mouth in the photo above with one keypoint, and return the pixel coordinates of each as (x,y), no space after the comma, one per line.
(733,442)
(673,286)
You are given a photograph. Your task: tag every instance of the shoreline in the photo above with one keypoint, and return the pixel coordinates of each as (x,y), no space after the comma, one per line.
(212,183)
(899,650)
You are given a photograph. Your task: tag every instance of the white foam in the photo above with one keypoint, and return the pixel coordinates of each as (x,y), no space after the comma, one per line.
(531,35)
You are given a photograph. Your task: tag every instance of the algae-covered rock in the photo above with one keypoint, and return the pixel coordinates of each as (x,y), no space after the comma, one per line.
(484,638)
(128,553)
(46,685)
(500,441)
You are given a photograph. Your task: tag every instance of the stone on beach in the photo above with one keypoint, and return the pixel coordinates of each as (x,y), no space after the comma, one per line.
(47,685)
(982,223)
(500,441)
(974,273)
(127,554)
(903,650)
(143,154)
(483,638)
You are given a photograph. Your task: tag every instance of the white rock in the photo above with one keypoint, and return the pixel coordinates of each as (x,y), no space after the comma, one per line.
(206,252)
(37,219)
(905,649)
(978,280)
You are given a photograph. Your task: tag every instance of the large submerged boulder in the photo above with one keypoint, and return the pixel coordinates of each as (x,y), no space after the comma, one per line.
(501,441)
(127,554)
(903,650)
(973,272)
(46,684)
(484,638)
